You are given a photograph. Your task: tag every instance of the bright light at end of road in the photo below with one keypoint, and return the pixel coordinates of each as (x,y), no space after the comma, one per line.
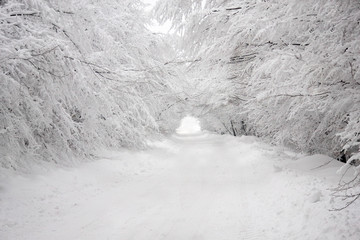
(189,125)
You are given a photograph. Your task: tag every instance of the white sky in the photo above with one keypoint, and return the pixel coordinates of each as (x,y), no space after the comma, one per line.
(155,27)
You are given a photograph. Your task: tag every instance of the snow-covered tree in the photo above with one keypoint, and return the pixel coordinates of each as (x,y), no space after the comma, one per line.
(287,69)
(77,76)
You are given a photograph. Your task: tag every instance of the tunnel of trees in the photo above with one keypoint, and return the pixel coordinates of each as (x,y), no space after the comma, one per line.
(283,70)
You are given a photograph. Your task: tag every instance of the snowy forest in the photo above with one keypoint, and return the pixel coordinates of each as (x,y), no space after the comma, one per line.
(82,77)
(283,70)
(76,76)
(79,75)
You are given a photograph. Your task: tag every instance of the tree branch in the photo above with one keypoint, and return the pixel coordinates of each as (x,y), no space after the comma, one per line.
(298,95)
(182,62)
(25,13)
(243,58)
(227,9)
(45,52)
(233,9)
(347,204)
(65,12)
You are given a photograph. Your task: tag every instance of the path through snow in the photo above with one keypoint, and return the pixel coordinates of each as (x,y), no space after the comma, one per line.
(188,187)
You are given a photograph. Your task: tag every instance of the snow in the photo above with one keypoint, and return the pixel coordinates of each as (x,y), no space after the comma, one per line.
(201,186)
(154,26)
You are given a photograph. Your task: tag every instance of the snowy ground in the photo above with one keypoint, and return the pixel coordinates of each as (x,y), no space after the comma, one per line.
(198,186)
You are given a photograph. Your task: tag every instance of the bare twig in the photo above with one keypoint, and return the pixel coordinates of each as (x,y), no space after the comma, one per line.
(322,165)
(343,175)
(347,204)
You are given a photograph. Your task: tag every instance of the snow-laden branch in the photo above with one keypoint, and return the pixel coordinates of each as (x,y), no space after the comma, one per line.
(297,95)
(78,80)
(183,61)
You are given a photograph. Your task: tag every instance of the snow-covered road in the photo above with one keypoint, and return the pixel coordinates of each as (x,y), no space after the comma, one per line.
(187,187)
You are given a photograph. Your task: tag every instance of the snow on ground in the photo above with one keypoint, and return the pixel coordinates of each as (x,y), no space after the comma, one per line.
(200,186)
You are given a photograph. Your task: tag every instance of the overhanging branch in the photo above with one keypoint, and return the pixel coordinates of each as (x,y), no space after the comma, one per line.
(182,62)
(298,95)
(227,9)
